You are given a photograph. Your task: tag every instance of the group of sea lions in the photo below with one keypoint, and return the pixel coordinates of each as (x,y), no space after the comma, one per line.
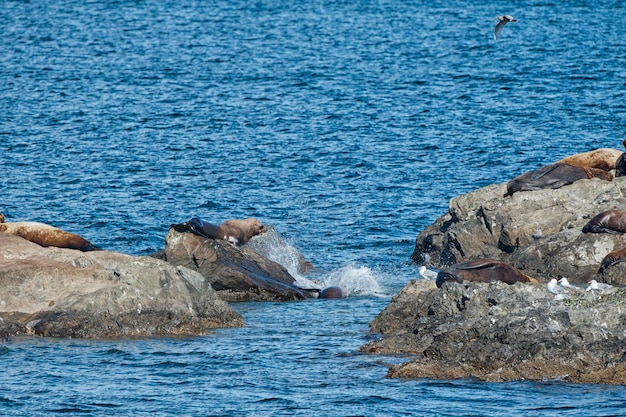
(593,164)
(237,232)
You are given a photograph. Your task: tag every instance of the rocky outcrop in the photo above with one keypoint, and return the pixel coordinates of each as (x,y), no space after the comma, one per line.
(237,273)
(67,293)
(500,332)
(538,232)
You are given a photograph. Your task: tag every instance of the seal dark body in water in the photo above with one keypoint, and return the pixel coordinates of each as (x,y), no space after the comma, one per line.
(482,270)
(553,176)
(237,232)
(46,235)
(333,292)
(610,221)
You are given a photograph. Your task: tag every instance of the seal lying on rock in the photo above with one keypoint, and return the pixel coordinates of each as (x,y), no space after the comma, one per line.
(482,270)
(553,176)
(46,235)
(612,258)
(604,159)
(610,221)
(237,232)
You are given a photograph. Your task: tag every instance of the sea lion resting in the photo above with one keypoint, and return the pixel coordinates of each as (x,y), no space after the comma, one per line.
(237,232)
(554,176)
(604,159)
(482,270)
(46,235)
(610,221)
(612,258)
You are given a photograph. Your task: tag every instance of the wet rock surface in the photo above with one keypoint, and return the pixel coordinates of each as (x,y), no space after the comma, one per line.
(67,293)
(500,332)
(237,273)
(539,232)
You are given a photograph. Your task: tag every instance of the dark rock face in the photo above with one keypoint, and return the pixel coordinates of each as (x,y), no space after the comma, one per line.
(236,273)
(499,332)
(539,232)
(67,293)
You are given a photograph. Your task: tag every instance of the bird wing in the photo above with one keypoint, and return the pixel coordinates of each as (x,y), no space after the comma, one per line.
(498,29)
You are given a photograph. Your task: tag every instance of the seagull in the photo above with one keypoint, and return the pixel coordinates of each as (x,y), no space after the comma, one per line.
(427,273)
(503,20)
(555,288)
(595,285)
(563,282)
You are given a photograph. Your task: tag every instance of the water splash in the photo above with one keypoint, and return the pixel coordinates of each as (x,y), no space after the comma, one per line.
(275,248)
(356,280)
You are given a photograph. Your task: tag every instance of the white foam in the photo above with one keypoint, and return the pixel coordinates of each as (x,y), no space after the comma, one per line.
(276,249)
(356,280)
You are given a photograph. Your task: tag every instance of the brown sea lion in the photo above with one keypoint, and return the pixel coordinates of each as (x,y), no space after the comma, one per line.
(237,232)
(553,176)
(604,159)
(333,292)
(482,270)
(46,235)
(610,221)
(612,258)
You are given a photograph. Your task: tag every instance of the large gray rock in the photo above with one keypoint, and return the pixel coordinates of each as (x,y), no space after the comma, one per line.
(237,273)
(499,332)
(539,232)
(68,293)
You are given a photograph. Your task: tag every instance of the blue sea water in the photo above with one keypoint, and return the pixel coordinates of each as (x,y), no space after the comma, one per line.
(348,126)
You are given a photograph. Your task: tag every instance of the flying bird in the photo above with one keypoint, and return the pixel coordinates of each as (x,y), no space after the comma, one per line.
(503,20)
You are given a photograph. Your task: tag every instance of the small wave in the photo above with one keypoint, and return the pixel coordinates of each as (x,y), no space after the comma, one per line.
(275,248)
(356,280)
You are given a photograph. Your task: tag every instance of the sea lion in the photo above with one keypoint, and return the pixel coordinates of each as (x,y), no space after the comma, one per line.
(46,235)
(237,232)
(610,221)
(612,258)
(333,292)
(482,270)
(553,176)
(604,159)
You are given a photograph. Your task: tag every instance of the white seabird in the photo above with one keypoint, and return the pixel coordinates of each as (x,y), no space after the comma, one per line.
(556,289)
(595,285)
(427,273)
(503,20)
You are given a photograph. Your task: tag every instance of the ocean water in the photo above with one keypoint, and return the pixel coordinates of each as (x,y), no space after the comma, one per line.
(347,126)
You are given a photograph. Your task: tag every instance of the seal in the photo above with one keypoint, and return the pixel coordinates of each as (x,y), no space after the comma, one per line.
(333,292)
(612,258)
(482,270)
(46,235)
(553,176)
(610,221)
(604,159)
(237,232)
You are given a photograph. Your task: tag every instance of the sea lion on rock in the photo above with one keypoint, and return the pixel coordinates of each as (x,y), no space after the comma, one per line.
(604,159)
(612,258)
(482,270)
(46,235)
(333,292)
(237,232)
(553,176)
(610,221)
